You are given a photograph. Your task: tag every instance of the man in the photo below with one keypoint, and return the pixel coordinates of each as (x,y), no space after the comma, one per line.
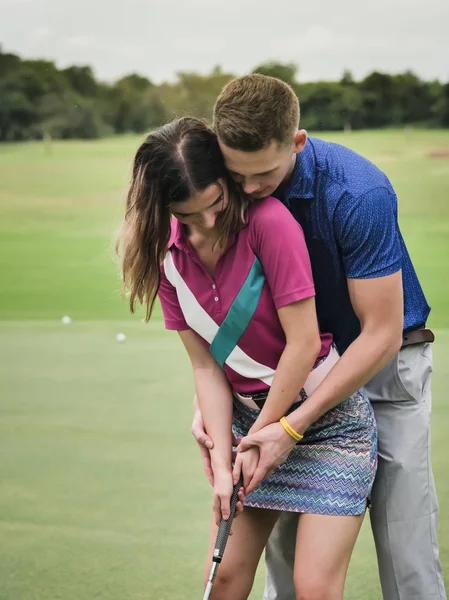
(369,298)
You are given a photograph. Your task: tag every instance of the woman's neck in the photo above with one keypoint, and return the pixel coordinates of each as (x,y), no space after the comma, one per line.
(205,245)
(203,236)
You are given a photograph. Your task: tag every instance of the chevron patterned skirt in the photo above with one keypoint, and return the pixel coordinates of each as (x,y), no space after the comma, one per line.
(330,471)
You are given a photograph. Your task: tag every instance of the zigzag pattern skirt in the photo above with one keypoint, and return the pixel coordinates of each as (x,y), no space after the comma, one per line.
(330,471)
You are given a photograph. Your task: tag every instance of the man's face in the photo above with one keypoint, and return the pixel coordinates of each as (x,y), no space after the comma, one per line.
(261,172)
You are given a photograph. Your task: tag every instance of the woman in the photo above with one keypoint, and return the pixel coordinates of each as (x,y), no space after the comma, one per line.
(234,279)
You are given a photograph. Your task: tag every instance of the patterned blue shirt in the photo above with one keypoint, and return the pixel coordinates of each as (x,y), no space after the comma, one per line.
(348,210)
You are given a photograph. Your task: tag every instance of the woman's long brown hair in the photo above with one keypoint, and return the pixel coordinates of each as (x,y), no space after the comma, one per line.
(173,163)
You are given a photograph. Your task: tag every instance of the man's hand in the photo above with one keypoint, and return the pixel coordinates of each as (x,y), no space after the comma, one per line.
(246,463)
(204,443)
(274,445)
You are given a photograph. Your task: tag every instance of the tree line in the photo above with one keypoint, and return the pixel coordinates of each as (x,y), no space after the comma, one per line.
(38,100)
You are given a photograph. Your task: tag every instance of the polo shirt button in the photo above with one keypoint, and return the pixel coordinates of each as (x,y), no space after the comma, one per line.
(216,299)
(214,286)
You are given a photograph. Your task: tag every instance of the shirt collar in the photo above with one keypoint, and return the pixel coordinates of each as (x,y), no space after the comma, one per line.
(177,234)
(302,180)
(178,237)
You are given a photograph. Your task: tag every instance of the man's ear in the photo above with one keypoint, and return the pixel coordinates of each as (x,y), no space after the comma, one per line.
(300,140)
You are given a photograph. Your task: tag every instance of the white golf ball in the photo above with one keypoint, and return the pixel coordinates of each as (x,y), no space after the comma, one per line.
(120,337)
(66,320)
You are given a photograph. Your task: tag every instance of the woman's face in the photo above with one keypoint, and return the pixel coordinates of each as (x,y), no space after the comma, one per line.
(201,210)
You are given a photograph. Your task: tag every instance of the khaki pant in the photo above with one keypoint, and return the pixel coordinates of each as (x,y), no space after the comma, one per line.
(404,514)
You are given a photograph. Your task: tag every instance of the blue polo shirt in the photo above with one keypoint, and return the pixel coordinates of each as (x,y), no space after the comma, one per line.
(348,210)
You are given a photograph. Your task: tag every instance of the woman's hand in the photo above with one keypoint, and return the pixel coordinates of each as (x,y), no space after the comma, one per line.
(223,486)
(246,463)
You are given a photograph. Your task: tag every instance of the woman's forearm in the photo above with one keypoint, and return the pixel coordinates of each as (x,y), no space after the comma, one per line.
(215,403)
(294,367)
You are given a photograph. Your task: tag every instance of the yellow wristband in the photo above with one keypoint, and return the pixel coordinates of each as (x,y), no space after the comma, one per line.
(294,434)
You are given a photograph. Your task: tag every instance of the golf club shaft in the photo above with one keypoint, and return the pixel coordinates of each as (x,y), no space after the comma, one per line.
(210,581)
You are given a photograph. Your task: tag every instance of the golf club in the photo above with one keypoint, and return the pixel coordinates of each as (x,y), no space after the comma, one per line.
(222,538)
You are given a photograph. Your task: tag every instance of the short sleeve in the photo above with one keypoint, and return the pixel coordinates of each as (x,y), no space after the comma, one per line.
(173,315)
(278,241)
(366,229)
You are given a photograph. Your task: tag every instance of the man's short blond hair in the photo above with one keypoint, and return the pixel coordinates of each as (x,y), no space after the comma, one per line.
(253,110)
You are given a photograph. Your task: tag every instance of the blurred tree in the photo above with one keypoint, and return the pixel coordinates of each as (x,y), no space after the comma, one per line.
(193,94)
(41,77)
(17,113)
(347,78)
(328,105)
(134,105)
(414,97)
(285,71)
(441,107)
(81,80)
(135,82)
(69,115)
(8,63)
(380,101)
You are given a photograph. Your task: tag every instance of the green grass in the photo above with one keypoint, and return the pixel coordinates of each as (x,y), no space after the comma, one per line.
(101,490)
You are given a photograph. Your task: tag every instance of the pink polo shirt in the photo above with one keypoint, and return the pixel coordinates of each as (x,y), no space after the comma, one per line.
(272,234)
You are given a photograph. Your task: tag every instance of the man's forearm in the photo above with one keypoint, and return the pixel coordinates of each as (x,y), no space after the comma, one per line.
(365,357)
(293,368)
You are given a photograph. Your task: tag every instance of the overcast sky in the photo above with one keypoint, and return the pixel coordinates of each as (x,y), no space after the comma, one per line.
(157,38)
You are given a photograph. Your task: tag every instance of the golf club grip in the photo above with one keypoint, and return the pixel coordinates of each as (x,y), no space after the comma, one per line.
(225,524)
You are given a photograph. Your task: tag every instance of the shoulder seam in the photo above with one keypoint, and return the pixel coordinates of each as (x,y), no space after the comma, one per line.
(345,189)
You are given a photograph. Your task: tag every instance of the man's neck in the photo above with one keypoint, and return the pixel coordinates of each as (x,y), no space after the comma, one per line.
(289,173)
(280,191)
